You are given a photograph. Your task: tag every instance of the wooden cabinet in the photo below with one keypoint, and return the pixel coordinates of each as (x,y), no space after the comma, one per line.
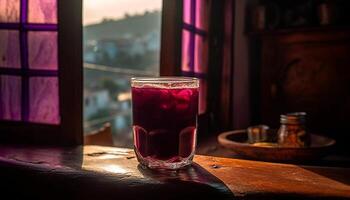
(307,70)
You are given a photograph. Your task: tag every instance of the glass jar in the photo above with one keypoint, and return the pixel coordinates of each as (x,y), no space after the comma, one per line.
(292,131)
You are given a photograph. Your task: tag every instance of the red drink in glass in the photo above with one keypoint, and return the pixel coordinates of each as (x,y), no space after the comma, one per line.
(165,120)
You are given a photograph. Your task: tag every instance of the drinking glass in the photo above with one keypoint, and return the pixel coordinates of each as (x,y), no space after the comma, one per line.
(165,120)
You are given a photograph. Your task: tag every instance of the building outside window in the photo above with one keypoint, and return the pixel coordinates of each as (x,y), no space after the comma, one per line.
(121,40)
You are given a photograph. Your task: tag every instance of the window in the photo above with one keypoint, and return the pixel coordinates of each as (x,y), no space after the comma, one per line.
(41,68)
(207,53)
(195,44)
(121,40)
(36,69)
(28,80)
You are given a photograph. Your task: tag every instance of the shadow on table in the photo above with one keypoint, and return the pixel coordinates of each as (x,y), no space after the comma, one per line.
(188,183)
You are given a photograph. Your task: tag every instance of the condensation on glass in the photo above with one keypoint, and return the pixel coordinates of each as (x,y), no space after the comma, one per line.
(195,45)
(29,87)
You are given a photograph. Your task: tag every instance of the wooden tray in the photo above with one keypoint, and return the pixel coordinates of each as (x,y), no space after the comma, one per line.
(237,142)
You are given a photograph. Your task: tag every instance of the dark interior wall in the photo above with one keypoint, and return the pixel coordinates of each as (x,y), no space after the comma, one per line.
(241,81)
(301,64)
(307,71)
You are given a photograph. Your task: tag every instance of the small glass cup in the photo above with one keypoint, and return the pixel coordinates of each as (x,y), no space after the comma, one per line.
(257,134)
(165,120)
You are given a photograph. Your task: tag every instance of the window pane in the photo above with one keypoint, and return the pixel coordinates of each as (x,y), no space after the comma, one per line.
(202,14)
(10,98)
(9,49)
(44,100)
(121,40)
(9,11)
(200,55)
(186,51)
(42,50)
(202,96)
(42,11)
(187,11)
(195,45)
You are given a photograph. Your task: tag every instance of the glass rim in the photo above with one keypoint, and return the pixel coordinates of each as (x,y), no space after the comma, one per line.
(169,82)
(165,79)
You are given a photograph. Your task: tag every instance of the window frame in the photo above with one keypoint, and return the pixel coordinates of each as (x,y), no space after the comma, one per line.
(70,76)
(171,38)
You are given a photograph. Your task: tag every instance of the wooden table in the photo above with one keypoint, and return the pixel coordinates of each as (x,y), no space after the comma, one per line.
(95,172)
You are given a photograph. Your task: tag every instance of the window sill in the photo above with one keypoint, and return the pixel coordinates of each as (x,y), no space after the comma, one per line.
(105,172)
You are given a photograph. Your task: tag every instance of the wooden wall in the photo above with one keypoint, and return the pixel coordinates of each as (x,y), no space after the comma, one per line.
(307,70)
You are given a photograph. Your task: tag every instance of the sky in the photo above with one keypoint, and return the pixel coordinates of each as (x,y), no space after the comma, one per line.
(96,10)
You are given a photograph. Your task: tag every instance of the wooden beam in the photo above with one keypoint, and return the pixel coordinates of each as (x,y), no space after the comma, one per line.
(170,54)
